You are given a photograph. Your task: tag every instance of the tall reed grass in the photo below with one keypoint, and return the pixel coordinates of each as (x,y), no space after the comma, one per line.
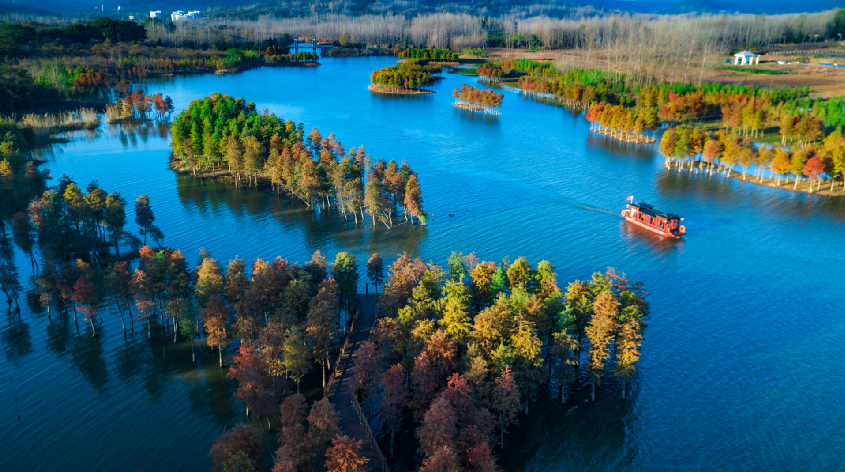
(49,124)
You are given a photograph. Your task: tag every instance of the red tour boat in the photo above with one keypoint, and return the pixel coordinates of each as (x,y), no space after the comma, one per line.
(646,217)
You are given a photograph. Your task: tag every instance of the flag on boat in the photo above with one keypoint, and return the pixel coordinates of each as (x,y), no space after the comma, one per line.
(630,199)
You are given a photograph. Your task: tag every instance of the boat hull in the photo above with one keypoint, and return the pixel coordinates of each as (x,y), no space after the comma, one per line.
(650,228)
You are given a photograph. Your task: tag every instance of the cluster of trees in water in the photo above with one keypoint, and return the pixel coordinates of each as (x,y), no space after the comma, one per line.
(457,353)
(223,131)
(475,99)
(135,104)
(75,232)
(625,121)
(409,75)
(817,162)
(428,53)
(464,350)
(490,72)
(577,88)
(744,108)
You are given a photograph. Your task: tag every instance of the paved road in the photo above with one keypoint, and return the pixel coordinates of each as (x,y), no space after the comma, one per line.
(342,391)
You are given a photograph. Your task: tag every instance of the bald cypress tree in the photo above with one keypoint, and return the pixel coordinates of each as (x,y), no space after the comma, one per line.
(600,333)
(345,273)
(455,311)
(628,352)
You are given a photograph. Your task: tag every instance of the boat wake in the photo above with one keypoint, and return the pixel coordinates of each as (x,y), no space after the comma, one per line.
(596,209)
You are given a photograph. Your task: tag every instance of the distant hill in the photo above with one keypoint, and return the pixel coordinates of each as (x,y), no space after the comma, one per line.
(25,8)
(491,7)
(717,6)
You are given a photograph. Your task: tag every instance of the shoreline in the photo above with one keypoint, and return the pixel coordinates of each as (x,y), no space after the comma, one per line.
(468,107)
(804,186)
(623,137)
(220,175)
(474,109)
(377,89)
(238,70)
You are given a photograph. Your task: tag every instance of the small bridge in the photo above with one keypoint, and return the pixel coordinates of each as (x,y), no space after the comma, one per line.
(313,46)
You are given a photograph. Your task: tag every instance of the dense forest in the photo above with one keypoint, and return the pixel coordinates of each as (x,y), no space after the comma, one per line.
(220,131)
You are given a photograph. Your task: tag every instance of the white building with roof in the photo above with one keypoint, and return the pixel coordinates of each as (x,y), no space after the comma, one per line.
(746,57)
(155,14)
(181,15)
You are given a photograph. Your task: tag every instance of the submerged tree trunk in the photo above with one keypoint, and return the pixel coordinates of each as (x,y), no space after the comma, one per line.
(220,352)
(267,440)
(121,319)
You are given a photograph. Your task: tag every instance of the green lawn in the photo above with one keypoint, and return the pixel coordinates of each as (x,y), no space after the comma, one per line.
(469,71)
(752,70)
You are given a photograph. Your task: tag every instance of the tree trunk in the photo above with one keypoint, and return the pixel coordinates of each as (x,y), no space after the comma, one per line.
(122,323)
(593,391)
(220,353)
(267,440)
(624,385)
(502,430)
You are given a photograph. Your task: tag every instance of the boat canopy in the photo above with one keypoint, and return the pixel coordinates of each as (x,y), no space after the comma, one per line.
(649,210)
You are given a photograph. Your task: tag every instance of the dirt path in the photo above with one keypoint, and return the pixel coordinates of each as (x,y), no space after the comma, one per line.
(344,386)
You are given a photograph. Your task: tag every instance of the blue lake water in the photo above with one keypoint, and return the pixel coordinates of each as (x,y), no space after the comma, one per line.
(742,363)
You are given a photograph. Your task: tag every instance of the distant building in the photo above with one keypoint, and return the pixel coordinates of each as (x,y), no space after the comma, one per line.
(746,57)
(181,15)
(155,14)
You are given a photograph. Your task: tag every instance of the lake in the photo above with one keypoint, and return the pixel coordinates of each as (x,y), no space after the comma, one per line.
(742,362)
